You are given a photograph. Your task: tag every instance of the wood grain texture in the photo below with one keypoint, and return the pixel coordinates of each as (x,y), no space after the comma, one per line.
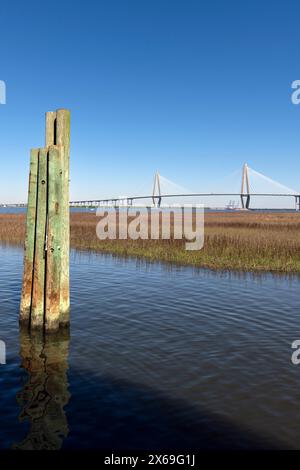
(55,214)
(50,128)
(37,308)
(63,140)
(25,307)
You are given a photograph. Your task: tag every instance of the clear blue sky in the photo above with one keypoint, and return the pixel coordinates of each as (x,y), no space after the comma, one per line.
(192,88)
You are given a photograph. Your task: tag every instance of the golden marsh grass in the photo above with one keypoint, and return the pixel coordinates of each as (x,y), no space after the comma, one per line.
(246,241)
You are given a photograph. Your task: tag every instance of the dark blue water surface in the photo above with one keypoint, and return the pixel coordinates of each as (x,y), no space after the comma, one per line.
(157,357)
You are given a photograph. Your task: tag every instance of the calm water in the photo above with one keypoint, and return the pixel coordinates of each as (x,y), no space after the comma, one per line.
(157,358)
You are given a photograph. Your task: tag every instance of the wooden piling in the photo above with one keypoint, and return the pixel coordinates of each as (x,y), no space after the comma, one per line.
(50,128)
(45,301)
(63,140)
(54,240)
(29,240)
(38,289)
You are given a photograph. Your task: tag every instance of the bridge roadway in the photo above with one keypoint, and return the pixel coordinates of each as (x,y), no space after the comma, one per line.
(128,201)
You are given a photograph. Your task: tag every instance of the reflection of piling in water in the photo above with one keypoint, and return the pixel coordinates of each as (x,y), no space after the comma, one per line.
(43,397)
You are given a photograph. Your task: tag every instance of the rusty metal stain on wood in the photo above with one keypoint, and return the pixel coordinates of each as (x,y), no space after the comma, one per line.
(53,271)
(46,292)
(29,240)
(63,140)
(37,308)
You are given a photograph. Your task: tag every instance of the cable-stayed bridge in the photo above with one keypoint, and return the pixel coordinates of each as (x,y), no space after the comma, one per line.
(248,189)
(244,190)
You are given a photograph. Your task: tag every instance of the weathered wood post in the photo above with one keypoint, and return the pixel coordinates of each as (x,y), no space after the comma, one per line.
(63,140)
(54,238)
(29,240)
(38,286)
(45,301)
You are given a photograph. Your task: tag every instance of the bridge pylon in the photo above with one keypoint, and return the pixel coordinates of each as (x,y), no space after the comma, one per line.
(245,185)
(156,184)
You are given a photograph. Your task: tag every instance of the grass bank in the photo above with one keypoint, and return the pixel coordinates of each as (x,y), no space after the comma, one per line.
(233,241)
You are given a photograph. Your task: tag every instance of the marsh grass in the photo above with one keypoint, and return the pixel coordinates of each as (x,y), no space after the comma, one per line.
(237,241)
